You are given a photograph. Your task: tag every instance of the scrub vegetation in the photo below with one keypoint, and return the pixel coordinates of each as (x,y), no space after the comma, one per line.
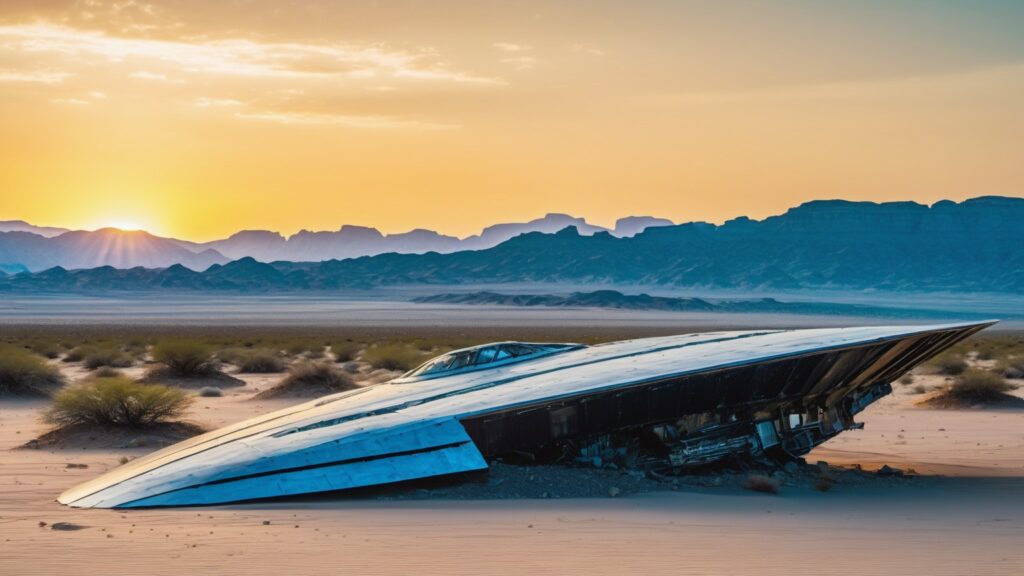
(185,358)
(310,379)
(23,373)
(117,402)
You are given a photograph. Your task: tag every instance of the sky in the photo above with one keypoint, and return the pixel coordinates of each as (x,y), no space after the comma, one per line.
(199,118)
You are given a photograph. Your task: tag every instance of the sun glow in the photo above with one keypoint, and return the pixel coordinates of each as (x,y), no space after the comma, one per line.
(126,225)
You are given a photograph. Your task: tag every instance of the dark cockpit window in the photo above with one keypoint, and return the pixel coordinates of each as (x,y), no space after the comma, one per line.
(482,356)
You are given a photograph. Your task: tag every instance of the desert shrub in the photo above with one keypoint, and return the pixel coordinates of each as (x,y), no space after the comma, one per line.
(907,379)
(949,364)
(117,401)
(105,372)
(25,374)
(210,392)
(304,347)
(1011,369)
(394,356)
(979,386)
(74,355)
(920,389)
(311,378)
(185,358)
(761,483)
(94,358)
(345,351)
(259,362)
(46,349)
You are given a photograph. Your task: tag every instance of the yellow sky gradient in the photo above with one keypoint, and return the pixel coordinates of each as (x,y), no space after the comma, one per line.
(196,119)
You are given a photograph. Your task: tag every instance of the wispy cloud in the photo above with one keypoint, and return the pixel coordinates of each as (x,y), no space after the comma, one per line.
(34,76)
(351,121)
(510,47)
(587,49)
(218,103)
(235,56)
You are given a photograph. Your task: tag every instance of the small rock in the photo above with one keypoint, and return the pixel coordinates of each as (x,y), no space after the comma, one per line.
(791,468)
(66,526)
(266,522)
(42,524)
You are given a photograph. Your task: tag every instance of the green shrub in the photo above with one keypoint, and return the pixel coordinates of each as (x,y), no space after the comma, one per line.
(117,401)
(74,355)
(46,348)
(949,364)
(394,356)
(25,374)
(311,378)
(345,351)
(111,356)
(979,386)
(185,358)
(105,372)
(1011,369)
(259,362)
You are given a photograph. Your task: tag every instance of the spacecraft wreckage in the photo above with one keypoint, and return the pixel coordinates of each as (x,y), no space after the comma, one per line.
(691,399)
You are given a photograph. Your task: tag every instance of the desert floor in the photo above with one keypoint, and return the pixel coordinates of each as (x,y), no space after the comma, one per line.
(962,514)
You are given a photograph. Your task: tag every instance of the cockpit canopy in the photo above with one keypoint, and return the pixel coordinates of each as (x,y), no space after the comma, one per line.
(486,356)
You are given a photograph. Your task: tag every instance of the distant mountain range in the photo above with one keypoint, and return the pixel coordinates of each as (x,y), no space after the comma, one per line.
(975,245)
(615,300)
(38,248)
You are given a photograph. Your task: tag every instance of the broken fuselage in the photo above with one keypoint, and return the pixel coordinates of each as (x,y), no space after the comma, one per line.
(693,398)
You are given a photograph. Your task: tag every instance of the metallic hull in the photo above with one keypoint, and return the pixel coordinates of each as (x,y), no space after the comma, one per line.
(751,390)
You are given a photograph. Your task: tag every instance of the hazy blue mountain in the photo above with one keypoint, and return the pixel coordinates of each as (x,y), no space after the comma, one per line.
(353,241)
(266,246)
(974,245)
(22,226)
(633,225)
(104,247)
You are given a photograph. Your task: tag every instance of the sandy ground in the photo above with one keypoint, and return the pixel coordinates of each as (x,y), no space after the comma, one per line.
(965,515)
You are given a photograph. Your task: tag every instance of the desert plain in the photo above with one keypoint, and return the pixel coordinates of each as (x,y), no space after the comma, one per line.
(955,507)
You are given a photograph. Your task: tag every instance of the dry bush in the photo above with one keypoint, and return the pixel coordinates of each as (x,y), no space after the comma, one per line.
(46,348)
(345,351)
(979,386)
(210,392)
(394,356)
(22,373)
(907,379)
(185,358)
(949,364)
(920,389)
(259,362)
(74,355)
(1011,368)
(93,358)
(106,372)
(761,483)
(311,378)
(117,402)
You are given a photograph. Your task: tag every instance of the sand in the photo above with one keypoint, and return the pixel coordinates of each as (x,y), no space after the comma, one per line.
(969,520)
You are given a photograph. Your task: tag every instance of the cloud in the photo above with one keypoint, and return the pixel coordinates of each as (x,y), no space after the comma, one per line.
(587,49)
(217,103)
(233,56)
(521,62)
(510,47)
(34,76)
(351,121)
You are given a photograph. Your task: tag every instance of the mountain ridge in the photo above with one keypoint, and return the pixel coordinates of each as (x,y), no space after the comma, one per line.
(969,246)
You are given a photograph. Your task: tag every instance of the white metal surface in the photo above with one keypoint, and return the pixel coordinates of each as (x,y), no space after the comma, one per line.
(400,431)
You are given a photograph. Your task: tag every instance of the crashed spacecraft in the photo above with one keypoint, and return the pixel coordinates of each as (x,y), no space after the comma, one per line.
(693,399)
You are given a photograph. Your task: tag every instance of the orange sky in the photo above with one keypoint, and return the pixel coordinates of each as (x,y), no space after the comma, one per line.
(196,119)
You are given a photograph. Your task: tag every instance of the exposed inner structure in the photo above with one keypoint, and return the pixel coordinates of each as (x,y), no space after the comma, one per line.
(689,400)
